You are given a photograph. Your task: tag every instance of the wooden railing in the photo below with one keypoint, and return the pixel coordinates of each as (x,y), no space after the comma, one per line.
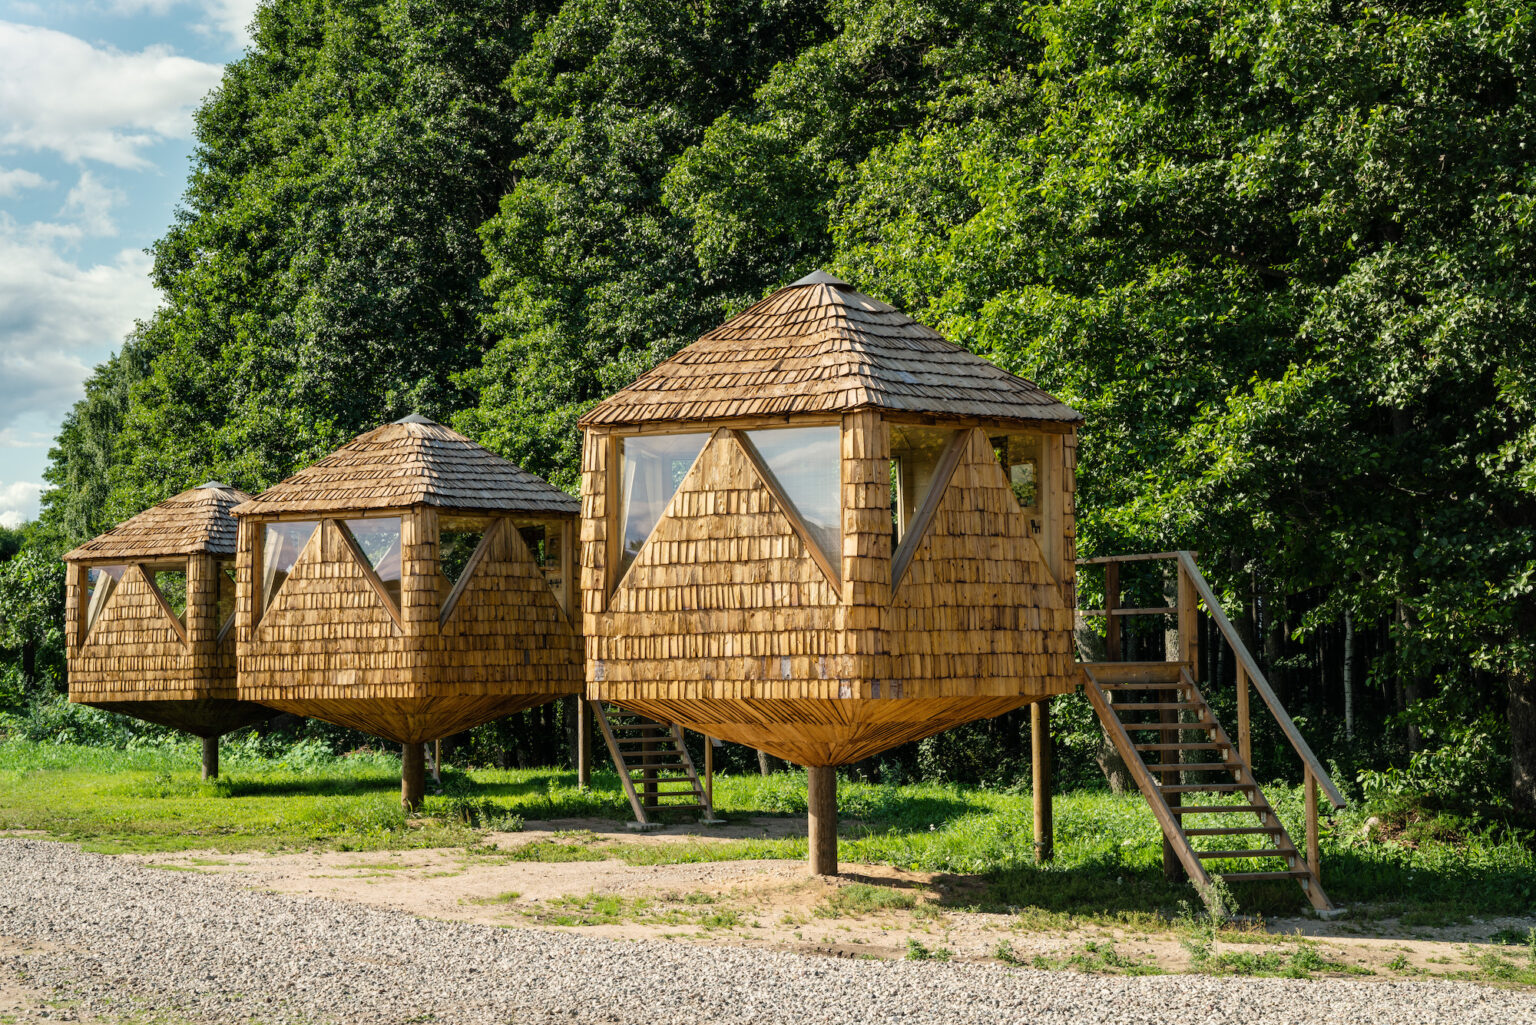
(1193,591)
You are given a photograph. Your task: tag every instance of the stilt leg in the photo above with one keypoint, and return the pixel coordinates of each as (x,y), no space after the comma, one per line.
(821,783)
(210,757)
(413,776)
(1040,749)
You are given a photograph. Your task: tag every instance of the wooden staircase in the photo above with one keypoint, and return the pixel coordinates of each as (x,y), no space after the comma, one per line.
(1183,761)
(653,763)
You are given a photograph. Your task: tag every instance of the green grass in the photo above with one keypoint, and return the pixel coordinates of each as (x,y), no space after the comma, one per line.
(979,842)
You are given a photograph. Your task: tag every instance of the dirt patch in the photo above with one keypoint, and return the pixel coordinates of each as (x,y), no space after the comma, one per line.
(869,911)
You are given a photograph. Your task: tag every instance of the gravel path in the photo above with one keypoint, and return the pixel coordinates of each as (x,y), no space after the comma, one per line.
(106,929)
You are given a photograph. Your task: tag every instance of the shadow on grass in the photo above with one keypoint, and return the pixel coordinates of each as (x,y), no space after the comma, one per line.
(312,786)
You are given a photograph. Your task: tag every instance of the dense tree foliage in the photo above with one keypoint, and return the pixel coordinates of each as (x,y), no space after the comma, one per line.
(1280,256)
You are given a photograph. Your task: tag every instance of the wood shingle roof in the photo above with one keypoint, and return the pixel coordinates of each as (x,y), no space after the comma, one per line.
(820,346)
(190,523)
(412,461)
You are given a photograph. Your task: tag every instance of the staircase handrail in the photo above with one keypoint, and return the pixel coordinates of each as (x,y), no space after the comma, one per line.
(1257,678)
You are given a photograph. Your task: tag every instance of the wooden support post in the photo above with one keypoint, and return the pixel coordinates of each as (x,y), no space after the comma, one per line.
(1111,621)
(1040,749)
(1244,737)
(583,745)
(709,775)
(413,776)
(1173,868)
(1189,623)
(210,757)
(1313,854)
(821,799)
(437,762)
(648,795)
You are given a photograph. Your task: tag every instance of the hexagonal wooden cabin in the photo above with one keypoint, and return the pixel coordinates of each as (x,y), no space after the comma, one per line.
(411,584)
(148,618)
(822,530)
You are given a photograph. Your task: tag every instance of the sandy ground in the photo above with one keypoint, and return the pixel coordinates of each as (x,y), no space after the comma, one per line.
(774,904)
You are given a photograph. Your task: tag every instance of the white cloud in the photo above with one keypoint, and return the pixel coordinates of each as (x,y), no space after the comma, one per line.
(62,94)
(230,18)
(90,204)
(58,319)
(12,181)
(18,502)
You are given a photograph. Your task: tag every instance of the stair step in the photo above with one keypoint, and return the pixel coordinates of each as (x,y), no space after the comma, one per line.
(1206,788)
(1108,673)
(665,779)
(1203,724)
(1258,852)
(1197,766)
(1180,747)
(1255,877)
(1158,706)
(1216,809)
(1233,830)
(1136,685)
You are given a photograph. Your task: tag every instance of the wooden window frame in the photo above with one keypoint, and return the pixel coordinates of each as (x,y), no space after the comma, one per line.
(353,549)
(922,519)
(781,496)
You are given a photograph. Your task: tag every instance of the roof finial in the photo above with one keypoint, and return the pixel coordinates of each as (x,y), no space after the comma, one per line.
(213,485)
(415,418)
(819,277)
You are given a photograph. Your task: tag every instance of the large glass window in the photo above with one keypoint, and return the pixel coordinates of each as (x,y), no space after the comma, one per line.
(378,538)
(100,582)
(1019,455)
(915,455)
(281,545)
(650,469)
(807,463)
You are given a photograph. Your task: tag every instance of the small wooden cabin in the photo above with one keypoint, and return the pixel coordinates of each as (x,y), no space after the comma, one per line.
(412,584)
(822,531)
(149,612)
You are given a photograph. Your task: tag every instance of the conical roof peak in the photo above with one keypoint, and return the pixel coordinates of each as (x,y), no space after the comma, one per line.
(195,522)
(819,346)
(412,461)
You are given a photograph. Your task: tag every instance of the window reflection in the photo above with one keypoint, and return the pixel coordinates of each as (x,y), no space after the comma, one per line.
(100,582)
(225,611)
(915,454)
(378,538)
(172,585)
(280,548)
(807,463)
(650,469)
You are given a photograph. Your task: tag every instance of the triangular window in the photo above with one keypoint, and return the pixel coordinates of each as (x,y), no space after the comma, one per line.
(226,602)
(807,464)
(379,541)
(100,582)
(1019,455)
(281,547)
(915,456)
(650,469)
(546,543)
(456,543)
(172,585)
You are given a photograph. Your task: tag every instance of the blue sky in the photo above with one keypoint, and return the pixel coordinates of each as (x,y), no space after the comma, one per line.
(96,101)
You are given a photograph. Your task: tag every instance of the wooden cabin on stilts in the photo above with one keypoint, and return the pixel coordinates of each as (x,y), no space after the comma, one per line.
(412,584)
(149,613)
(822,531)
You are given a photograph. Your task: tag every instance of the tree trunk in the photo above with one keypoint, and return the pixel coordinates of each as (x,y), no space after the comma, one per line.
(1349,675)
(767,764)
(1522,726)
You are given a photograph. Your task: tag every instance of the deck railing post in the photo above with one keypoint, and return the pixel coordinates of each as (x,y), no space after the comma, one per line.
(583,745)
(1111,603)
(1244,737)
(1313,853)
(1189,622)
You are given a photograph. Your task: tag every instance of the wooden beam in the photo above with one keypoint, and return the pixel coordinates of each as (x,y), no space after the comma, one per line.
(413,776)
(211,757)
